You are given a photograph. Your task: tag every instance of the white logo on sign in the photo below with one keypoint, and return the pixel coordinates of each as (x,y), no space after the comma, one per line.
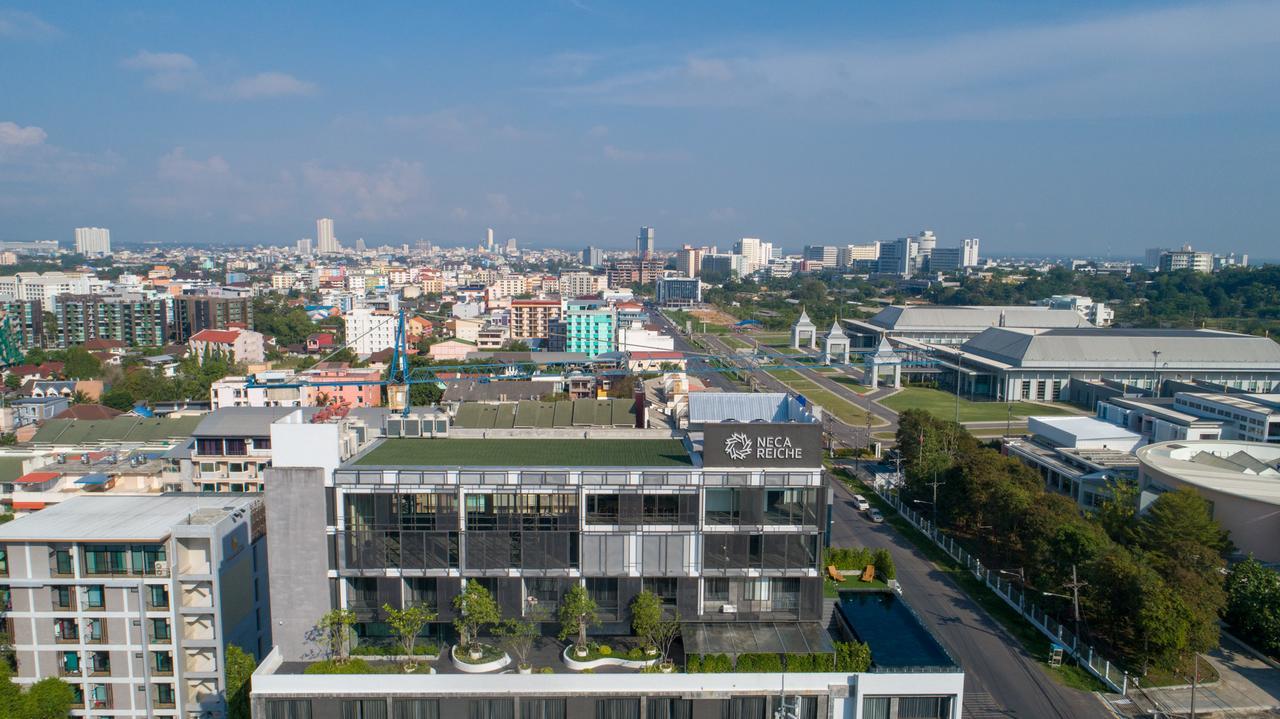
(737,446)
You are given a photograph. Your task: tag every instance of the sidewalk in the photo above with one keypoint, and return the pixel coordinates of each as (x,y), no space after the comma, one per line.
(1247,687)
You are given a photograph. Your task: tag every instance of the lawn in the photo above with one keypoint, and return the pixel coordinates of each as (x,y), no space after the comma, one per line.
(851,383)
(943,406)
(528,453)
(830,588)
(734,342)
(839,407)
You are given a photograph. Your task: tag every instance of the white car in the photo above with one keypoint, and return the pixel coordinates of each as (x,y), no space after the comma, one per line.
(861,503)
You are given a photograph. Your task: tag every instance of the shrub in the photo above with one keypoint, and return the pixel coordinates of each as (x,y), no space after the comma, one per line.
(850,558)
(693,664)
(330,666)
(759,663)
(810,662)
(636,653)
(716,664)
(852,657)
(883,562)
(605,650)
(546,670)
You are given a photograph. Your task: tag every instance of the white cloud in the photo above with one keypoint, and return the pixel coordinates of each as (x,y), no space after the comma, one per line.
(15,135)
(391,191)
(21,25)
(269,84)
(165,71)
(1194,58)
(175,72)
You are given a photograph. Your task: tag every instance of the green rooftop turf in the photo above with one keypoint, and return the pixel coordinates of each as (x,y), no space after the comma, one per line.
(528,453)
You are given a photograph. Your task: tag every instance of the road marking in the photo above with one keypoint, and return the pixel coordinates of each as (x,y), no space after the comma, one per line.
(980,705)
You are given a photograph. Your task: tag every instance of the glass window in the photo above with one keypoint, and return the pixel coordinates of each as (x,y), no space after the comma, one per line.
(716,590)
(491,709)
(208,447)
(69,662)
(669,708)
(105,559)
(160,630)
(416,709)
(542,708)
(288,709)
(94,596)
(235,447)
(162,662)
(95,631)
(65,630)
(63,598)
(722,506)
(661,508)
(602,508)
(746,708)
(618,708)
(165,695)
(664,587)
(364,709)
(924,707)
(62,565)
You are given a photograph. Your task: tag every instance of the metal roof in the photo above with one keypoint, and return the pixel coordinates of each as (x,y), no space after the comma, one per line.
(107,517)
(744,407)
(1124,348)
(126,428)
(245,421)
(1243,469)
(960,318)
(535,414)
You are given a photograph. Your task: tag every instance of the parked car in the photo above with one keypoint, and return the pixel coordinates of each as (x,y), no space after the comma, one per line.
(875,516)
(861,503)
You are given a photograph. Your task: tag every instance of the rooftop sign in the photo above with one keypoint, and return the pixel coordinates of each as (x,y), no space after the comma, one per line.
(762,444)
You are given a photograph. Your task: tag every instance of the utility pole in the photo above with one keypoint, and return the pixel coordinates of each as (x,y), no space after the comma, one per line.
(1195,679)
(1075,586)
(958,380)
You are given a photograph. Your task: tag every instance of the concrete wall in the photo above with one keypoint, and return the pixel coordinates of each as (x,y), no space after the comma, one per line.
(298,557)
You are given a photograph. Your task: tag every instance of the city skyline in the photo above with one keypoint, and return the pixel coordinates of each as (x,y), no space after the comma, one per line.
(1115,125)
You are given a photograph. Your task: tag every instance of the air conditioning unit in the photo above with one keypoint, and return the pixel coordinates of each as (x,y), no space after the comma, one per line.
(728,609)
(394,427)
(161,568)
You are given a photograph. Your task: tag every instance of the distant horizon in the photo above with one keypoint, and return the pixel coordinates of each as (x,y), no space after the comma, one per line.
(984,254)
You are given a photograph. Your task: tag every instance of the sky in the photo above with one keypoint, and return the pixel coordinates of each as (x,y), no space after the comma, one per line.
(1086,128)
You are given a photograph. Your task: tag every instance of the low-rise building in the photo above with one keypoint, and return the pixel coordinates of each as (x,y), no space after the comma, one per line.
(240,346)
(1077,456)
(1240,480)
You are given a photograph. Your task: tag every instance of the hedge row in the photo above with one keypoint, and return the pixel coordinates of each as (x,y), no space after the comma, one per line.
(850,657)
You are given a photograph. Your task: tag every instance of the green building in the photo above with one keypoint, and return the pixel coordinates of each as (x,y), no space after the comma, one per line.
(132,319)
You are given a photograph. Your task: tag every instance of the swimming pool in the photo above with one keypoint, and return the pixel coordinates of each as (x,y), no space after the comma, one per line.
(897,639)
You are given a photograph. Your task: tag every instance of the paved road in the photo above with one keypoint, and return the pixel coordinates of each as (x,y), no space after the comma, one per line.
(696,366)
(1001,679)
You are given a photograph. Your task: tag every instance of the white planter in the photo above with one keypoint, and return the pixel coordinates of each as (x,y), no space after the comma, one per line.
(578,665)
(467,668)
(525,670)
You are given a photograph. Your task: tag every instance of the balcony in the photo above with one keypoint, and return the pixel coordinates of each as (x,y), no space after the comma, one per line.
(201,661)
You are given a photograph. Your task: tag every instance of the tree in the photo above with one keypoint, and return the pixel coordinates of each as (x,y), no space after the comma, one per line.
(118,398)
(240,666)
(79,364)
(665,634)
(476,610)
(852,657)
(49,698)
(407,623)
(517,637)
(1119,511)
(1253,604)
(578,611)
(79,397)
(883,562)
(334,630)
(646,614)
(12,381)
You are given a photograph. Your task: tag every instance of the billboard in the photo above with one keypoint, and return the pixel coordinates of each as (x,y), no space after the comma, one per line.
(762,444)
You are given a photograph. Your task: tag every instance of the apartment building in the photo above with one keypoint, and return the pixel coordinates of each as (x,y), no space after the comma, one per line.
(588,329)
(582,284)
(133,600)
(369,331)
(192,313)
(1244,417)
(233,391)
(132,319)
(229,451)
(723,522)
(531,319)
(26,321)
